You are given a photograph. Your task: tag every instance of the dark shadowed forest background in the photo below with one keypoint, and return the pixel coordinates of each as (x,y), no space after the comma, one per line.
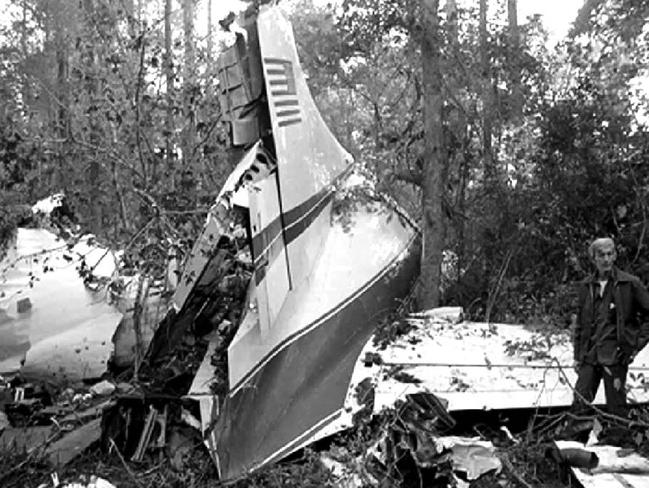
(115,103)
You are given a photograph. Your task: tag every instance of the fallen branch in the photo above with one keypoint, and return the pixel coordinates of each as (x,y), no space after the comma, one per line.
(507,464)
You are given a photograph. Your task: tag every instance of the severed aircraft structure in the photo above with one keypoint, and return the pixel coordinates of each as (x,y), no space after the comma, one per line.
(325,273)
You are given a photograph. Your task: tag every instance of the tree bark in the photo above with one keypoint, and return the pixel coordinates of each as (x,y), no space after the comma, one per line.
(169,89)
(23,31)
(451,19)
(61,102)
(189,132)
(92,89)
(210,52)
(456,138)
(514,57)
(433,185)
(487,123)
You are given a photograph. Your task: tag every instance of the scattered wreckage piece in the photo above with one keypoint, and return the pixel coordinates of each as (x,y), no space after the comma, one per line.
(155,421)
(602,466)
(58,319)
(92,482)
(4,421)
(73,443)
(330,259)
(479,366)
(502,367)
(408,446)
(24,439)
(138,424)
(76,417)
(52,429)
(65,334)
(470,455)
(129,341)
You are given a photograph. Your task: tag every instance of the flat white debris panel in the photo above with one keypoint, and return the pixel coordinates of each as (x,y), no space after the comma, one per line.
(49,320)
(482,366)
(611,480)
(617,468)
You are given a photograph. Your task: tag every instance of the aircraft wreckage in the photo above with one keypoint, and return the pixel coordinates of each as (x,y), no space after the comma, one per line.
(325,273)
(320,283)
(327,259)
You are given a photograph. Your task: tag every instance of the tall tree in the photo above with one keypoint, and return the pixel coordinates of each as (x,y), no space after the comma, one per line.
(92,81)
(169,86)
(487,121)
(433,184)
(61,100)
(514,56)
(210,53)
(189,75)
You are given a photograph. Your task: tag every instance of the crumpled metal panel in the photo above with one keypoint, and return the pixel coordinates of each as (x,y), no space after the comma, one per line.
(241,87)
(65,332)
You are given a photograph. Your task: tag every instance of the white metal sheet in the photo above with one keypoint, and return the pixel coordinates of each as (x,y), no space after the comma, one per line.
(309,156)
(611,480)
(65,333)
(483,366)
(365,244)
(614,470)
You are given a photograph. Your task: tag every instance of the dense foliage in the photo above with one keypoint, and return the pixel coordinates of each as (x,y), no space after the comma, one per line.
(97,102)
(543,149)
(568,139)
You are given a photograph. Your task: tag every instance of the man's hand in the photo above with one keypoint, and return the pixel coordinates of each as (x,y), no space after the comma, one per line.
(576,365)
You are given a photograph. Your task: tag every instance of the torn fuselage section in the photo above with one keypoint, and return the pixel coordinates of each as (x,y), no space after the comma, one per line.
(323,269)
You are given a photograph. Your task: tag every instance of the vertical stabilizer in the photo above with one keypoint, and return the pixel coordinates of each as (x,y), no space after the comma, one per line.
(309,157)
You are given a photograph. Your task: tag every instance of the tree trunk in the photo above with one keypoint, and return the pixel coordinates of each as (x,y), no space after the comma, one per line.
(514,57)
(451,19)
(23,31)
(210,52)
(456,129)
(61,102)
(189,132)
(433,185)
(25,85)
(487,122)
(169,90)
(92,88)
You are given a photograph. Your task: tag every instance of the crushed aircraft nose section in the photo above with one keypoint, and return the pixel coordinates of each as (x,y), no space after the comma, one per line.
(330,257)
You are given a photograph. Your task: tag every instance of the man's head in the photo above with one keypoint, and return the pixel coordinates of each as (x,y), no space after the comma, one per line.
(602,252)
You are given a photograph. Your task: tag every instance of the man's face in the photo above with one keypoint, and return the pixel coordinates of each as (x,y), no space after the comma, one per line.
(604,259)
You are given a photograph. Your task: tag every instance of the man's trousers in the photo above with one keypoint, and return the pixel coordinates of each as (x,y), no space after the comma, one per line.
(614,376)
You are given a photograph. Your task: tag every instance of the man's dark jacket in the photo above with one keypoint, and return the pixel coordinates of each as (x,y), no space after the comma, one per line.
(631,301)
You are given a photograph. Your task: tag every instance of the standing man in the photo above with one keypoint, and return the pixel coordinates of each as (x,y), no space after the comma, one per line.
(610,329)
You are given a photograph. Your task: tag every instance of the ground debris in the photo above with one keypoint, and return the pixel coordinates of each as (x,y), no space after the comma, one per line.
(103,388)
(46,427)
(406,445)
(4,421)
(62,451)
(471,455)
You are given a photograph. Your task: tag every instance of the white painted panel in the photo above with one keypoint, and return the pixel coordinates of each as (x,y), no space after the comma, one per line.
(272,290)
(351,257)
(308,154)
(66,333)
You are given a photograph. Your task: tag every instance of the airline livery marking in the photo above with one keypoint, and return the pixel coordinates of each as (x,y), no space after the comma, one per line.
(281,79)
